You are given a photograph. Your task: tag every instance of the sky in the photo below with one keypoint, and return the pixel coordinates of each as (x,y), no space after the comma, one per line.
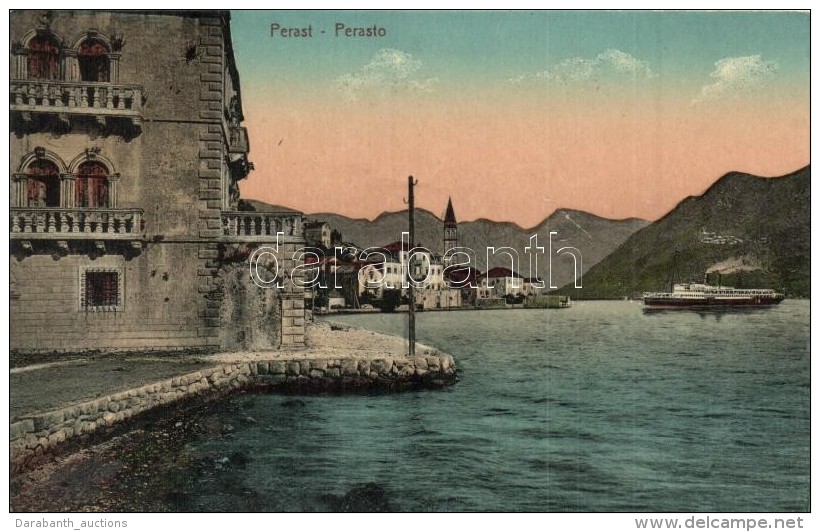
(515,114)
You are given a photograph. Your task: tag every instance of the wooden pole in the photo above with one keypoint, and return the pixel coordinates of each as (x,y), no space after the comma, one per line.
(411,315)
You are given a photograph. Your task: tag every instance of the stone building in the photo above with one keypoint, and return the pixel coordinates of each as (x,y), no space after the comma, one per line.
(318,233)
(501,282)
(126,150)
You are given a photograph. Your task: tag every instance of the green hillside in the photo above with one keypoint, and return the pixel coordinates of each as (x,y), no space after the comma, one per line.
(754,230)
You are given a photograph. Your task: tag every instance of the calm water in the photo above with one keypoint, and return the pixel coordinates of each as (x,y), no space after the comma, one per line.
(597,407)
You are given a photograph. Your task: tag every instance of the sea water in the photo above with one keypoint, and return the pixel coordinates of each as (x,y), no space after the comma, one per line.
(599,407)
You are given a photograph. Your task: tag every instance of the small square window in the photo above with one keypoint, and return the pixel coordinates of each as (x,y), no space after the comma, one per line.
(101,289)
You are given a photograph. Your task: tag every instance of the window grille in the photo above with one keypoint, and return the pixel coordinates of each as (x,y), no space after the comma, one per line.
(101,290)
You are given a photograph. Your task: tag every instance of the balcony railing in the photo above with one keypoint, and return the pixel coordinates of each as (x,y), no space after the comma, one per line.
(69,223)
(261,225)
(76,97)
(238,140)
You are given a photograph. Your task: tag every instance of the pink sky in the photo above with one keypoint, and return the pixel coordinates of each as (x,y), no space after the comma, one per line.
(518,113)
(517,160)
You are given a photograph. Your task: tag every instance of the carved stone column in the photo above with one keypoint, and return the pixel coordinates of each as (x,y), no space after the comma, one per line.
(19,190)
(20,63)
(114,65)
(67,189)
(71,67)
(113,190)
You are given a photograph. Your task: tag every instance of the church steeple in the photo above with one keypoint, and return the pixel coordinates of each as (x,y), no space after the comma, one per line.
(450,216)
(450,227)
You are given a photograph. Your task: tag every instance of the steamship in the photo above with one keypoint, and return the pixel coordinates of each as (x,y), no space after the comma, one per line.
(697,296)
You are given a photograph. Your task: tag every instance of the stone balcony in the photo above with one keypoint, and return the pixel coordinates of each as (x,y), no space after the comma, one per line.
(250,226)
(31,223)
(105,102)
(65,230)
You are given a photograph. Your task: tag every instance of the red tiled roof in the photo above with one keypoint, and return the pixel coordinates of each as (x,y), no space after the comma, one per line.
(501,272)
(461,274)
(396,246)
(462,277)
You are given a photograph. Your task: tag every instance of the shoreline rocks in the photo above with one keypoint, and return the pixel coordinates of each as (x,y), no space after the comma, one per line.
(34,435)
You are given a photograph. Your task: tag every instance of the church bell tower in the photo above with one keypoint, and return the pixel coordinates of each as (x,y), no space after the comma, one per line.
(450,227)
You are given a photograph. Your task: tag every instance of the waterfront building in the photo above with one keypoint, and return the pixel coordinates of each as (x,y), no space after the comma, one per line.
(437,298)
(426,267)
(533,286)
(377,277)
(500,282)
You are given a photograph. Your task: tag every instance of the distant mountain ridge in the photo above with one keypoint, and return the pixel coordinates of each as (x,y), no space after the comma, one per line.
(754,231)
(595,237)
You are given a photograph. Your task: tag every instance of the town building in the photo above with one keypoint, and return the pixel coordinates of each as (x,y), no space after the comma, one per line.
(533,286)
(318,234)
(376,277)
(425,267)
(501,282)
(437,298)
(126,151)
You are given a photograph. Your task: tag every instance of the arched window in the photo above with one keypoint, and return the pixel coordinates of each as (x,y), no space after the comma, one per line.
(43,55)
(43,184)
(91,186)
(93,60)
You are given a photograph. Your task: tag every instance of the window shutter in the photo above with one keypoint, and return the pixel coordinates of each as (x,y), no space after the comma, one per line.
(42,58)
(92,185)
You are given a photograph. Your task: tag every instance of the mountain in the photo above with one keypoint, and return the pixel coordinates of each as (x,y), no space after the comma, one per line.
(261,206)
(593,236)
(753,231)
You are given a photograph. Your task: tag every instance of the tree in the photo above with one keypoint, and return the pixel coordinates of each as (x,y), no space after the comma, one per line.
(391,298)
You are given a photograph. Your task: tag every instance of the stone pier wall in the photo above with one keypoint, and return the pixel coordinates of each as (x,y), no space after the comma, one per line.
(33,435)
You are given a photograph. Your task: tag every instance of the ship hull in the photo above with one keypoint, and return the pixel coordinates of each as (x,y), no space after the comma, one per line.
(709,302)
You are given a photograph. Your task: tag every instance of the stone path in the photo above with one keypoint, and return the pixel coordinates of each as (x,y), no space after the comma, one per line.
(52,403)
(332,340)
(46,386)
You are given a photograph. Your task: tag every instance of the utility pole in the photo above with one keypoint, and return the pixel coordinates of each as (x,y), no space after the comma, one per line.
(411,314)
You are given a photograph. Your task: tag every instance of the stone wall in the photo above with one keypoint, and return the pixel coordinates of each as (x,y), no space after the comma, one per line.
(293,294)
(490,302)
(33,435)
(157,311)
(250,316)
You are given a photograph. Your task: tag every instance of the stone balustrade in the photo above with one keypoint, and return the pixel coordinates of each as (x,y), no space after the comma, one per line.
(76,97)
(252,225)
(63,223)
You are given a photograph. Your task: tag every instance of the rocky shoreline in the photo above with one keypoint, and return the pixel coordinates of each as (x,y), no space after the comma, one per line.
(146,464)
(45,443)
(154,464)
